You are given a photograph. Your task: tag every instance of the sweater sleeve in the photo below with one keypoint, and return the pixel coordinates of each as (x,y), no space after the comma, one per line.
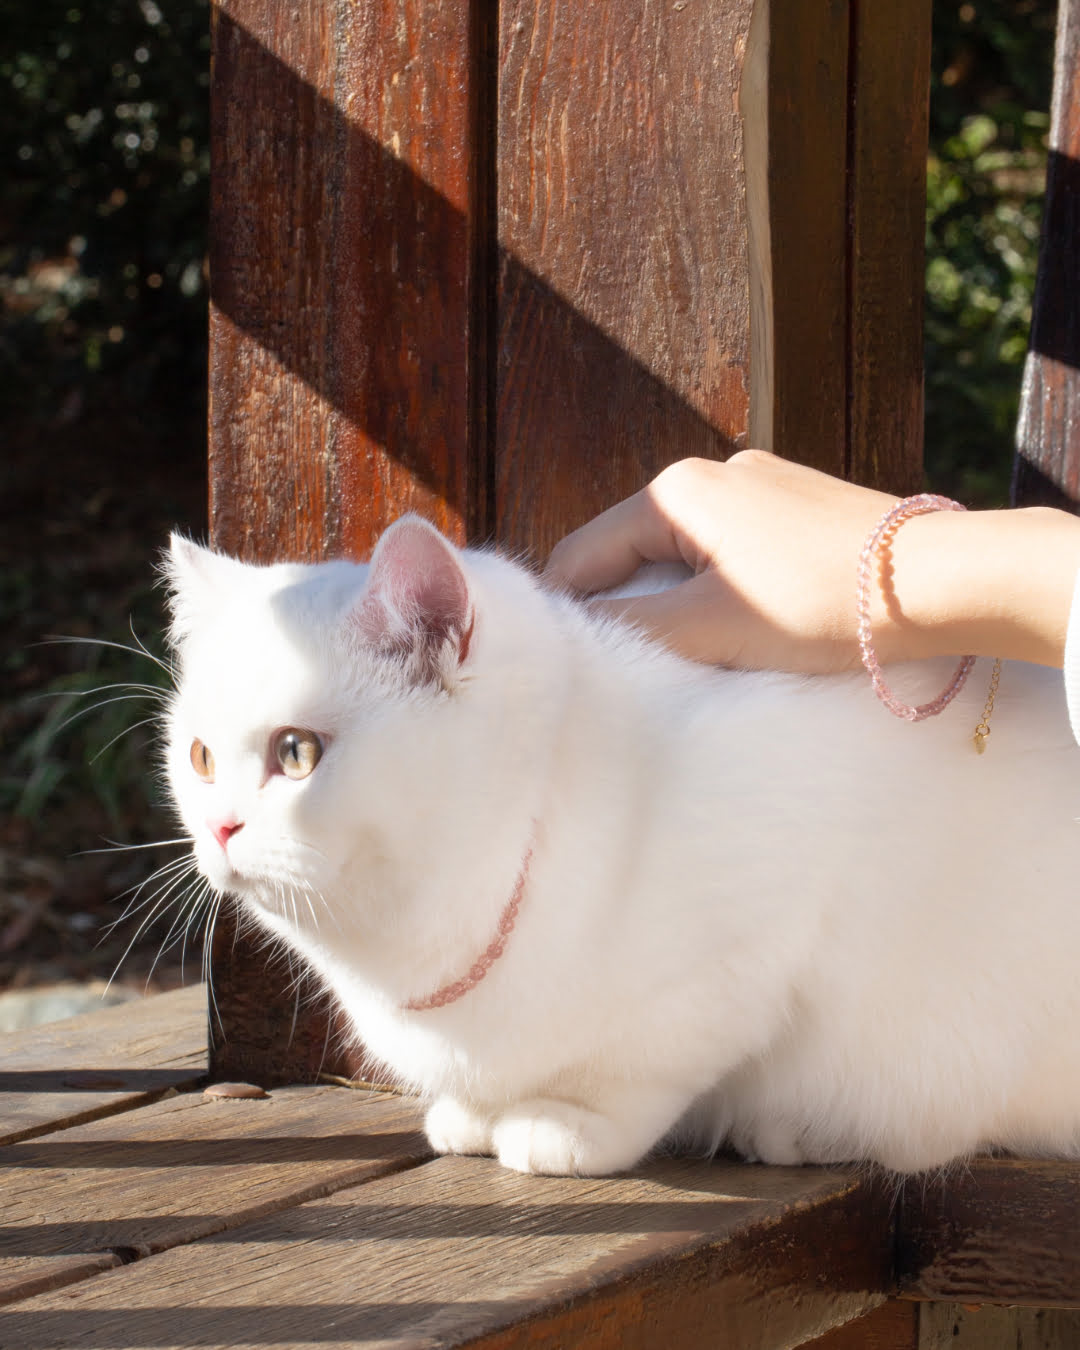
(1072,662)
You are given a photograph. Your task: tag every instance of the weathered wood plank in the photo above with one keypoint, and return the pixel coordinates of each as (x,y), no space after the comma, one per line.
(795,107)
(1048,437)
(623,301)
(893,1326)
(178,1170)
(345,316)
(24,1276)
(461,1252)
(998,1231)
(946,1326)
(889,79)
(57,1075)
(341,272)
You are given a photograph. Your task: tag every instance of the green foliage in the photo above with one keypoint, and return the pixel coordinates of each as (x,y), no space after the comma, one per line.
(989,117)
(81,730)
(88,741)
(103,120)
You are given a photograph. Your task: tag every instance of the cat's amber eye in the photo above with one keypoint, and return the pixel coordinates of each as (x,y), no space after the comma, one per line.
(202,761)
(297,752)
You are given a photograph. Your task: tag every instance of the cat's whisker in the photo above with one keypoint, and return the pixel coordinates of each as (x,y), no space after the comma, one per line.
(194,912)
(296,1005)
(139,650)
(213,910)
(135,691)
(160,900)
(297,973)
(174,864)
(168,897)
(140,646)
(188,910)
(188,906)
(132,848)
(307,901)
(93,708)
(329,910)
(293,907)
(146,722)
(166,891)
(179,868)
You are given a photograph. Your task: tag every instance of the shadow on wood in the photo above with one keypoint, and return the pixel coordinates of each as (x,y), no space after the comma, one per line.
(351,303)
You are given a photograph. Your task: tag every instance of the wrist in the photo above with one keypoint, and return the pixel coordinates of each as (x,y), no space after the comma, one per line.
(992,583)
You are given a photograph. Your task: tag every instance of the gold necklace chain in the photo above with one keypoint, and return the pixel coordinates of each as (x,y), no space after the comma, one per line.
(982,731)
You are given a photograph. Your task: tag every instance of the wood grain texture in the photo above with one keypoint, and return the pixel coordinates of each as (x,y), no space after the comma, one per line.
(893,1326)
(796,137)
(25,1276)
(889,77)
(946,1326)
(271,1023)
(124,1188)
(622,300)
(1048,437)
(102,1062)
(461,1252)
(998,1231)
(343,276)
(340,270)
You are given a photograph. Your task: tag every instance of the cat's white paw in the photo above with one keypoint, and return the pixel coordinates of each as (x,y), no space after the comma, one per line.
(452,1127)
(769,1142)
(554,1138)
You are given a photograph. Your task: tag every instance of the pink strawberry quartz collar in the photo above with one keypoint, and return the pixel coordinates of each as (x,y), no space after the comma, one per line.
(450,993)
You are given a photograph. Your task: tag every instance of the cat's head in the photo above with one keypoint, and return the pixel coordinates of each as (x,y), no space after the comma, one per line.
(328,720)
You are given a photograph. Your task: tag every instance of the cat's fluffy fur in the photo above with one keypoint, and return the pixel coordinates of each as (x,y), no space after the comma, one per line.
(758,909)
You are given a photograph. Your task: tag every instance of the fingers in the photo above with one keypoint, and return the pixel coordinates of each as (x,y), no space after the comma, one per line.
(611,548)
(699,619)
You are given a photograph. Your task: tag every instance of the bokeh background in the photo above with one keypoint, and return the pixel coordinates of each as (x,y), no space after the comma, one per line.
(103,132)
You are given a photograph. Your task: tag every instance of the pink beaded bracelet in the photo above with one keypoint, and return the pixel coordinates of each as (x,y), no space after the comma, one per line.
(881,536)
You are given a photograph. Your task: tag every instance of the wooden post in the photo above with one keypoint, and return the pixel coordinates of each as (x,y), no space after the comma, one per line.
(837,113)
(1048,439)
(501,263)
(345,267)
(622,290)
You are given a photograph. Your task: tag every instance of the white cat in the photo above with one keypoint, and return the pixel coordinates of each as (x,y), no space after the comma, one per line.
(628,897)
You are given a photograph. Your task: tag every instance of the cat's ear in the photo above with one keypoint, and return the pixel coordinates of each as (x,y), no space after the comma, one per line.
(194,577)
(417,602)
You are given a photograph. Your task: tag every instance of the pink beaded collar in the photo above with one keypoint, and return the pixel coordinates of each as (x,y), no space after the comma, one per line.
(450,993)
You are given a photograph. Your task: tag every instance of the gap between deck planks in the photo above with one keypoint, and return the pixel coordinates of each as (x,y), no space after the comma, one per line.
(172,1204)
(172,1172)
(225,1197)
(458,1251)
(102,1062)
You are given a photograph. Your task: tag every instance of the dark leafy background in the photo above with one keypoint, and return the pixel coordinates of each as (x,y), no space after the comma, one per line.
(986,170)
(103,132)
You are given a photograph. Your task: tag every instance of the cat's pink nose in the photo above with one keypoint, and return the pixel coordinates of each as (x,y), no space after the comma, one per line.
(223,830)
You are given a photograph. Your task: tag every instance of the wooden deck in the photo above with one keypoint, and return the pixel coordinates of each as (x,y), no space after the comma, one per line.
(137,1212)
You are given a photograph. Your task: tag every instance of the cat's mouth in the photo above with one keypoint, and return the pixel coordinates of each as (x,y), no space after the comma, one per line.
(270,881)
(220,871)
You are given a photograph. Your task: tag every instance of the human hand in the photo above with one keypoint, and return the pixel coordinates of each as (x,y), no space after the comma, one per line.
(774,547)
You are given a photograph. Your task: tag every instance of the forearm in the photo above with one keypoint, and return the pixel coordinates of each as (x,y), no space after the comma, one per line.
(993,583)
(775,547)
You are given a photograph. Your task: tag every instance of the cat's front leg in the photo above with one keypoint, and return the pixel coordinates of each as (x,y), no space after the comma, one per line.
(562,1138)
(453,1127)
